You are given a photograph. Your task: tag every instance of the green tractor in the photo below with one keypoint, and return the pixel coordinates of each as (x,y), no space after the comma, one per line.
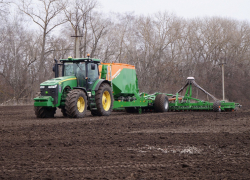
(79,88)
(88,84)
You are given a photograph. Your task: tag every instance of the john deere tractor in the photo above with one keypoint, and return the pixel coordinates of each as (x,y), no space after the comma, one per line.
(79,88)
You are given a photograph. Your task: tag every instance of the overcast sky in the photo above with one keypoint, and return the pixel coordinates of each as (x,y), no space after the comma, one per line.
(235,9)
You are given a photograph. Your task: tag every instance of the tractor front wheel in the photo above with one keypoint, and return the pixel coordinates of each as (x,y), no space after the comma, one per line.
(161,103)
(76,104)
(104,100)
(44,112)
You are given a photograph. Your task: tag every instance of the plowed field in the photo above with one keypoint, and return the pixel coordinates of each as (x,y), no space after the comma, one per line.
(171,145)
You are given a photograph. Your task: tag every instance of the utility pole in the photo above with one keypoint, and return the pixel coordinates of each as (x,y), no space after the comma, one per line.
(77,42)
(223,84)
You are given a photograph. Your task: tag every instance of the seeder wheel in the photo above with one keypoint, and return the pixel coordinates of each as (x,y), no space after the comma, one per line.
(161,103)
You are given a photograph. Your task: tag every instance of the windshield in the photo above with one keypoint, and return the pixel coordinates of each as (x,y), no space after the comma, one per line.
(72,69)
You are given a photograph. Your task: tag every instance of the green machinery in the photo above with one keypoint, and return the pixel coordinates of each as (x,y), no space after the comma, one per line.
(87,84)
(188,103)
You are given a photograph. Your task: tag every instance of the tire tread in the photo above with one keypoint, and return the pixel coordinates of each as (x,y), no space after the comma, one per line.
(44,112)
(71,104)
(159,105)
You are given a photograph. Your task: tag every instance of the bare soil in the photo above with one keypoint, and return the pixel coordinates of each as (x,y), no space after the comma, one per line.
(171,145)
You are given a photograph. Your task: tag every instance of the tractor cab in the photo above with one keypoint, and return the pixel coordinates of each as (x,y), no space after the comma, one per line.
(84,69)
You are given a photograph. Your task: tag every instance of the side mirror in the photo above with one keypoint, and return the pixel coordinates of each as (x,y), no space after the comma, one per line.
(92,66)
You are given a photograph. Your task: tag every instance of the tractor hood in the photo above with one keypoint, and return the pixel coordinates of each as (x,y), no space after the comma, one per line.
(58,80)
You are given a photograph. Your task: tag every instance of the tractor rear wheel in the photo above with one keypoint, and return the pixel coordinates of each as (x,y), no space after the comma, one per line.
(76,104)
(216,106)
(161,103)
(104,100)
(44,112)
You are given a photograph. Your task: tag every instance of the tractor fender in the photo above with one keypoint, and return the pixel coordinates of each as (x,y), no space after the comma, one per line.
(100,82)
(83,89)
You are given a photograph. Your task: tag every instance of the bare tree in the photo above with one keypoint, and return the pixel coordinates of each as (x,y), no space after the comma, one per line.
(4,4)
(77,15)
(18,56)
(46,17)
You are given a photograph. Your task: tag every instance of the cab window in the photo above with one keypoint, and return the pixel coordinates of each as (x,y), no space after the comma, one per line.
(92,74)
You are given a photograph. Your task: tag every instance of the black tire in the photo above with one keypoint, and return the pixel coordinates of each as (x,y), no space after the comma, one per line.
(95,113)
(104,100)
(216,106)
(76,104)
(63,110)
(131,110)
(44,112)
(161,103)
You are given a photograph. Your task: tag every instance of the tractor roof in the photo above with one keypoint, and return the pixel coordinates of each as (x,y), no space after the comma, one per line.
(70,59)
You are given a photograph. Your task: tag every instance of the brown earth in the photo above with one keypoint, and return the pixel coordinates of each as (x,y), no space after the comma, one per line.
(172,145)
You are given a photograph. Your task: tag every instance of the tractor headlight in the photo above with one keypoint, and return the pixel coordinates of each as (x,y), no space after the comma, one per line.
(42,87)
(52,86)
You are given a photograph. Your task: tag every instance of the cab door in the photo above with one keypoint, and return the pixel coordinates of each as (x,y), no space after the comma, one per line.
(81,74)
(92,75)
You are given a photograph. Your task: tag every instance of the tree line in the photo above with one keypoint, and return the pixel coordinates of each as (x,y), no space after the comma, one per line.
(165,48)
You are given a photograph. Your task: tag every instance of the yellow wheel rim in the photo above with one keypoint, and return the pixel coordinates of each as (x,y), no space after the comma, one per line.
(80,104)
(106,100)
